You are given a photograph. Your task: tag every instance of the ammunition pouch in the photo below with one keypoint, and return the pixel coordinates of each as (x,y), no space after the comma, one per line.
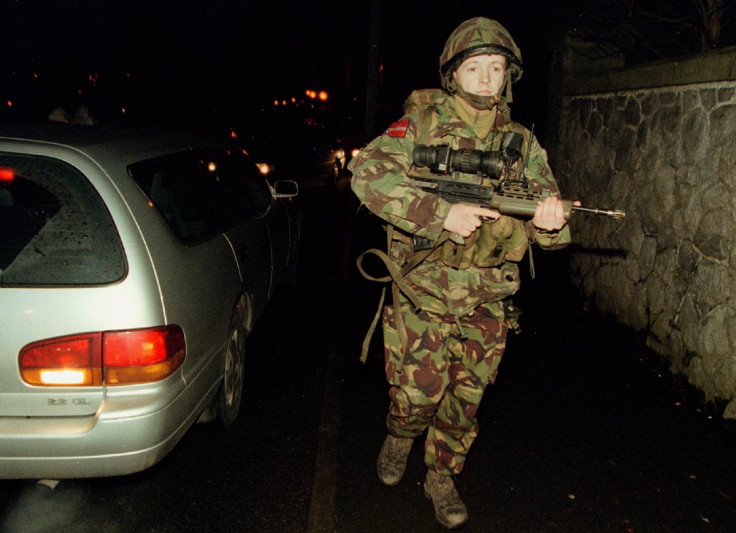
(489,246)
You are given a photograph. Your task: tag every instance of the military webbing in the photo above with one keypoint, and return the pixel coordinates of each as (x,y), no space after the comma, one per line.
(398,285)
(532,270)
(396,274)
(424,129)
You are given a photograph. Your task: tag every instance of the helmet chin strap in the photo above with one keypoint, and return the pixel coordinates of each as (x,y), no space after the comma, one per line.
(482,103)
(507,86)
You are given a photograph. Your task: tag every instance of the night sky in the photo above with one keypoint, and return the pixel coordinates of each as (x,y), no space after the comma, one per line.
(199,63)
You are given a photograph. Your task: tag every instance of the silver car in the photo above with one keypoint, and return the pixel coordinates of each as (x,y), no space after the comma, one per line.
(133,265)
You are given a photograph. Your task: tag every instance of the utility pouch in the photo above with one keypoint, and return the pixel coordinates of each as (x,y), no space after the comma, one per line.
(459,256)
(486,247)
(518,242)
(493,238)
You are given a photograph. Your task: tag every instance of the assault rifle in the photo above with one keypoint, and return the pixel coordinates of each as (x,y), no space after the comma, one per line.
(508,198)
(510,195)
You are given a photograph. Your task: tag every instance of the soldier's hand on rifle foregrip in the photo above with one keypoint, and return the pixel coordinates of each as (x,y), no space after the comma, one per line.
(464,219)
(549,214)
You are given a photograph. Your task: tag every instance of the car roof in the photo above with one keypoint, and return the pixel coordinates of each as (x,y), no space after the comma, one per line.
(105,142)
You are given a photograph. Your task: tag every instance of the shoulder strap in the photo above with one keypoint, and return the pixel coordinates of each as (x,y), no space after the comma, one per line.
(398,285)
(423,102)
(423,127)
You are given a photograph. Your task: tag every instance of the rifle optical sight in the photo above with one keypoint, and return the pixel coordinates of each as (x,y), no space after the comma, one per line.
(442,159)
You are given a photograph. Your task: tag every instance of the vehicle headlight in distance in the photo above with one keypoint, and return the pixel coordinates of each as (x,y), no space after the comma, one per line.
(264,168)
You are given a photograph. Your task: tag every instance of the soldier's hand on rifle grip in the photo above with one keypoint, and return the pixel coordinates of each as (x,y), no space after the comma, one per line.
(464,219)
(548,216)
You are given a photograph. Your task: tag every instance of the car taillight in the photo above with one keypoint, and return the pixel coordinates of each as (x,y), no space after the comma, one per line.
(143,355)
(73,360)
(7,174)
(112,358)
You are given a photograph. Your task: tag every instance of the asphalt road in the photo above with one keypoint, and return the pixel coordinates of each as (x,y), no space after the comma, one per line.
(584,431)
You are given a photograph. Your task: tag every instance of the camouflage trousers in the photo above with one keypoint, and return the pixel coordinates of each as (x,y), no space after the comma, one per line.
(439,380)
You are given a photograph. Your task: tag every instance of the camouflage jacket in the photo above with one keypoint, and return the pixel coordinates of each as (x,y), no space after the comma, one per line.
(382,182)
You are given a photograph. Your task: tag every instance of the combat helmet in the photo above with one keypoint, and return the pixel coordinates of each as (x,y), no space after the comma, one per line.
(474,37)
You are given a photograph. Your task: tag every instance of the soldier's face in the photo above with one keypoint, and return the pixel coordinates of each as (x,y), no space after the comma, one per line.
(482,75)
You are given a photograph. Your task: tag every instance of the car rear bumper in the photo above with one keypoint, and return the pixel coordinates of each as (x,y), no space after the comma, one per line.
(117,440)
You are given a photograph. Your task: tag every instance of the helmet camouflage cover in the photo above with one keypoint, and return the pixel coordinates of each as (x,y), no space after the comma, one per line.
(474,37)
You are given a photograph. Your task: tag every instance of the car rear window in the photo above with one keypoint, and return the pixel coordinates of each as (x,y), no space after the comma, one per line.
(205,192)
(54,227)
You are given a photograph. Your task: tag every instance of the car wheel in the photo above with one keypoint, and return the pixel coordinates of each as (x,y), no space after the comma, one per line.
(231,390)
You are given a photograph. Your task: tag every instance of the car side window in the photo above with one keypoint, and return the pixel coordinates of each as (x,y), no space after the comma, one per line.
(200,194)
(256,190)
(54,227)
(178,188)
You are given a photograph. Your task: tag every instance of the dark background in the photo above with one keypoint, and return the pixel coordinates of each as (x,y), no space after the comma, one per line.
(217,63)
(578,435)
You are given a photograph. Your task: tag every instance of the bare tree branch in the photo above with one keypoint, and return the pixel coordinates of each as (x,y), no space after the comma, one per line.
(645,30)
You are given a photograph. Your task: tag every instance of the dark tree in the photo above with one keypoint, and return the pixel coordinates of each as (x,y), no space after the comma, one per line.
(647,30)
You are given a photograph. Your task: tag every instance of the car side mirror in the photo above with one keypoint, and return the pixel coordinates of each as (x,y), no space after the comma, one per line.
(285,189)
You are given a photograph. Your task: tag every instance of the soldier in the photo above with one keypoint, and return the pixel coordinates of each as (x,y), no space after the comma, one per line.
(445,333)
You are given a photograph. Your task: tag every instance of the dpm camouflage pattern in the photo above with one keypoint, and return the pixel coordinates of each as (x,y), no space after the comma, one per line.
(382,183)
(455,343)
(476,36)
(439,382)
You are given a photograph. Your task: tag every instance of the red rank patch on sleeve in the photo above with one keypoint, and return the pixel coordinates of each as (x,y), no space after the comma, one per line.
(398,129)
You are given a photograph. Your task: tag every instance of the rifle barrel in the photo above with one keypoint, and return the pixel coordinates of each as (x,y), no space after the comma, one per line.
(615,213)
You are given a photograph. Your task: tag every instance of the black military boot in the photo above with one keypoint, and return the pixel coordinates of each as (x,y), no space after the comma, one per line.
(448,507)
(392,459)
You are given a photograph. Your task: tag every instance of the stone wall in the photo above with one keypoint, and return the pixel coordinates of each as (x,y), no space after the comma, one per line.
(658,141)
